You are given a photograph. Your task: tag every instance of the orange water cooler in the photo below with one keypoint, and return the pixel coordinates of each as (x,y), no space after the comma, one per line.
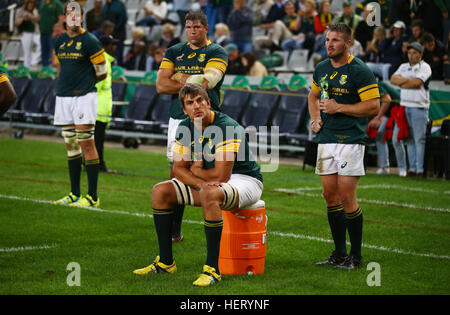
(243,243)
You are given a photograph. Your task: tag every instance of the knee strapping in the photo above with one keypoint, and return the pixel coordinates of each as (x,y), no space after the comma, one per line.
(70,138)
(231,194)
(85,135)
(184,193)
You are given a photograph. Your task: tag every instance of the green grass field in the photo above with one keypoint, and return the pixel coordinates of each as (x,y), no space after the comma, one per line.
(406,231)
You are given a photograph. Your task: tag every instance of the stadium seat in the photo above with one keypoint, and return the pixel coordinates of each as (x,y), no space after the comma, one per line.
(119,88)
(20,80)
(160,112)
(292,110)
(437,151)
(32,103)
(262,103)
(48,106)
(236,98)
(137,113)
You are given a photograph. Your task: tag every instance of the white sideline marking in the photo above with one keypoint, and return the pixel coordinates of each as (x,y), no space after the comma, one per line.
(300,191)
(381,186)
(291,235)
(24,248)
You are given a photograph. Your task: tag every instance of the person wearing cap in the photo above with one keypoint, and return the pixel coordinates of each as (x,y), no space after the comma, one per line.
(390,50)
(413,78)
(104,99)
(348,16)
(234,60)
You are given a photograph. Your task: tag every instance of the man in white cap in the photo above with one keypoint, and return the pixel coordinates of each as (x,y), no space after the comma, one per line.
(413,78)
(391,51)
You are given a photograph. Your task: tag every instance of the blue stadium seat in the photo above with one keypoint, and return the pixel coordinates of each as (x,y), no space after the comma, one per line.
(138,111)
(32,103)
(262,104)
(291,114)
(160,112)
(21,85)
(236,98)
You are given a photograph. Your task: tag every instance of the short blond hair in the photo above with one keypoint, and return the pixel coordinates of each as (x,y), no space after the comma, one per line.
(138,32)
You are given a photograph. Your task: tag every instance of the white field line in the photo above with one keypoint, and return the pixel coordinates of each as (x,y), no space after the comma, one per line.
(281,234)
(24,248)
(382,186)
(301,192)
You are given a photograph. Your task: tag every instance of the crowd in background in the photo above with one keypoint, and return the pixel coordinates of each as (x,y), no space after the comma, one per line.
(249,30)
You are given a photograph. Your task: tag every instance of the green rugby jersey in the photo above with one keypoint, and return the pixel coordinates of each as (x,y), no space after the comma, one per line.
(181,58)
(351,83)
(76,57)
(224,134)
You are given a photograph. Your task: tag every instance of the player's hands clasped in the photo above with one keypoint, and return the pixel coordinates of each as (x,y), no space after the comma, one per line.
(329,106)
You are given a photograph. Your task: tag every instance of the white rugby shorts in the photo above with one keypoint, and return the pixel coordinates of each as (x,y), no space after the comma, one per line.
(171,134)
(76,110)
(249,188)
(343,159)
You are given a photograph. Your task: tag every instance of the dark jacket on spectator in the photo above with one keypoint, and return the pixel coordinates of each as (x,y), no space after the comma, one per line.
(116,12)
(391,52)
(240,23)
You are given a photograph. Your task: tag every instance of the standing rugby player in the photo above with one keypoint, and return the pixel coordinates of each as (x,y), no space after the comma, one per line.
(198,61)
(81,63)
(343,94)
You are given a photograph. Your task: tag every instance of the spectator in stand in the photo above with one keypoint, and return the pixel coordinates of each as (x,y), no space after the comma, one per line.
(106,29)
(116,12)
(151,64)
(222,36)
(49,12)
(253,67)
(168,38)
(434,55)
(417,30)
(364,32)
(444,6)
(182,8)
(402,10)
(234,60)
(280,29)
(137,59)
(348,16)
(323,18)
(413,78)
(240,23)
(433,17)
(155,13)
(356,48)
(276,13)
(371,53)
(390,50)
(447,62)
(303,29)
(260,10)
(27,22)
(217,11)
(94,16)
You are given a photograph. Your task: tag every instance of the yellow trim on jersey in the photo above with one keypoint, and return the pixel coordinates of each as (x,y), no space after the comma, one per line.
(370,94)
(56,59)
(98,57)
(367,87)
(315,88)
(350,59)
(179,148)
(3,78)
(213,115)
(231,145)
(217,63)
(167,64)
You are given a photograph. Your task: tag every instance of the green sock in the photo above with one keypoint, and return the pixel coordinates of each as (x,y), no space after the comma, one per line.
(75,173)
(336,219)
(92,169)
(355,229)
(163,225)
(213,232)
(177,220)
